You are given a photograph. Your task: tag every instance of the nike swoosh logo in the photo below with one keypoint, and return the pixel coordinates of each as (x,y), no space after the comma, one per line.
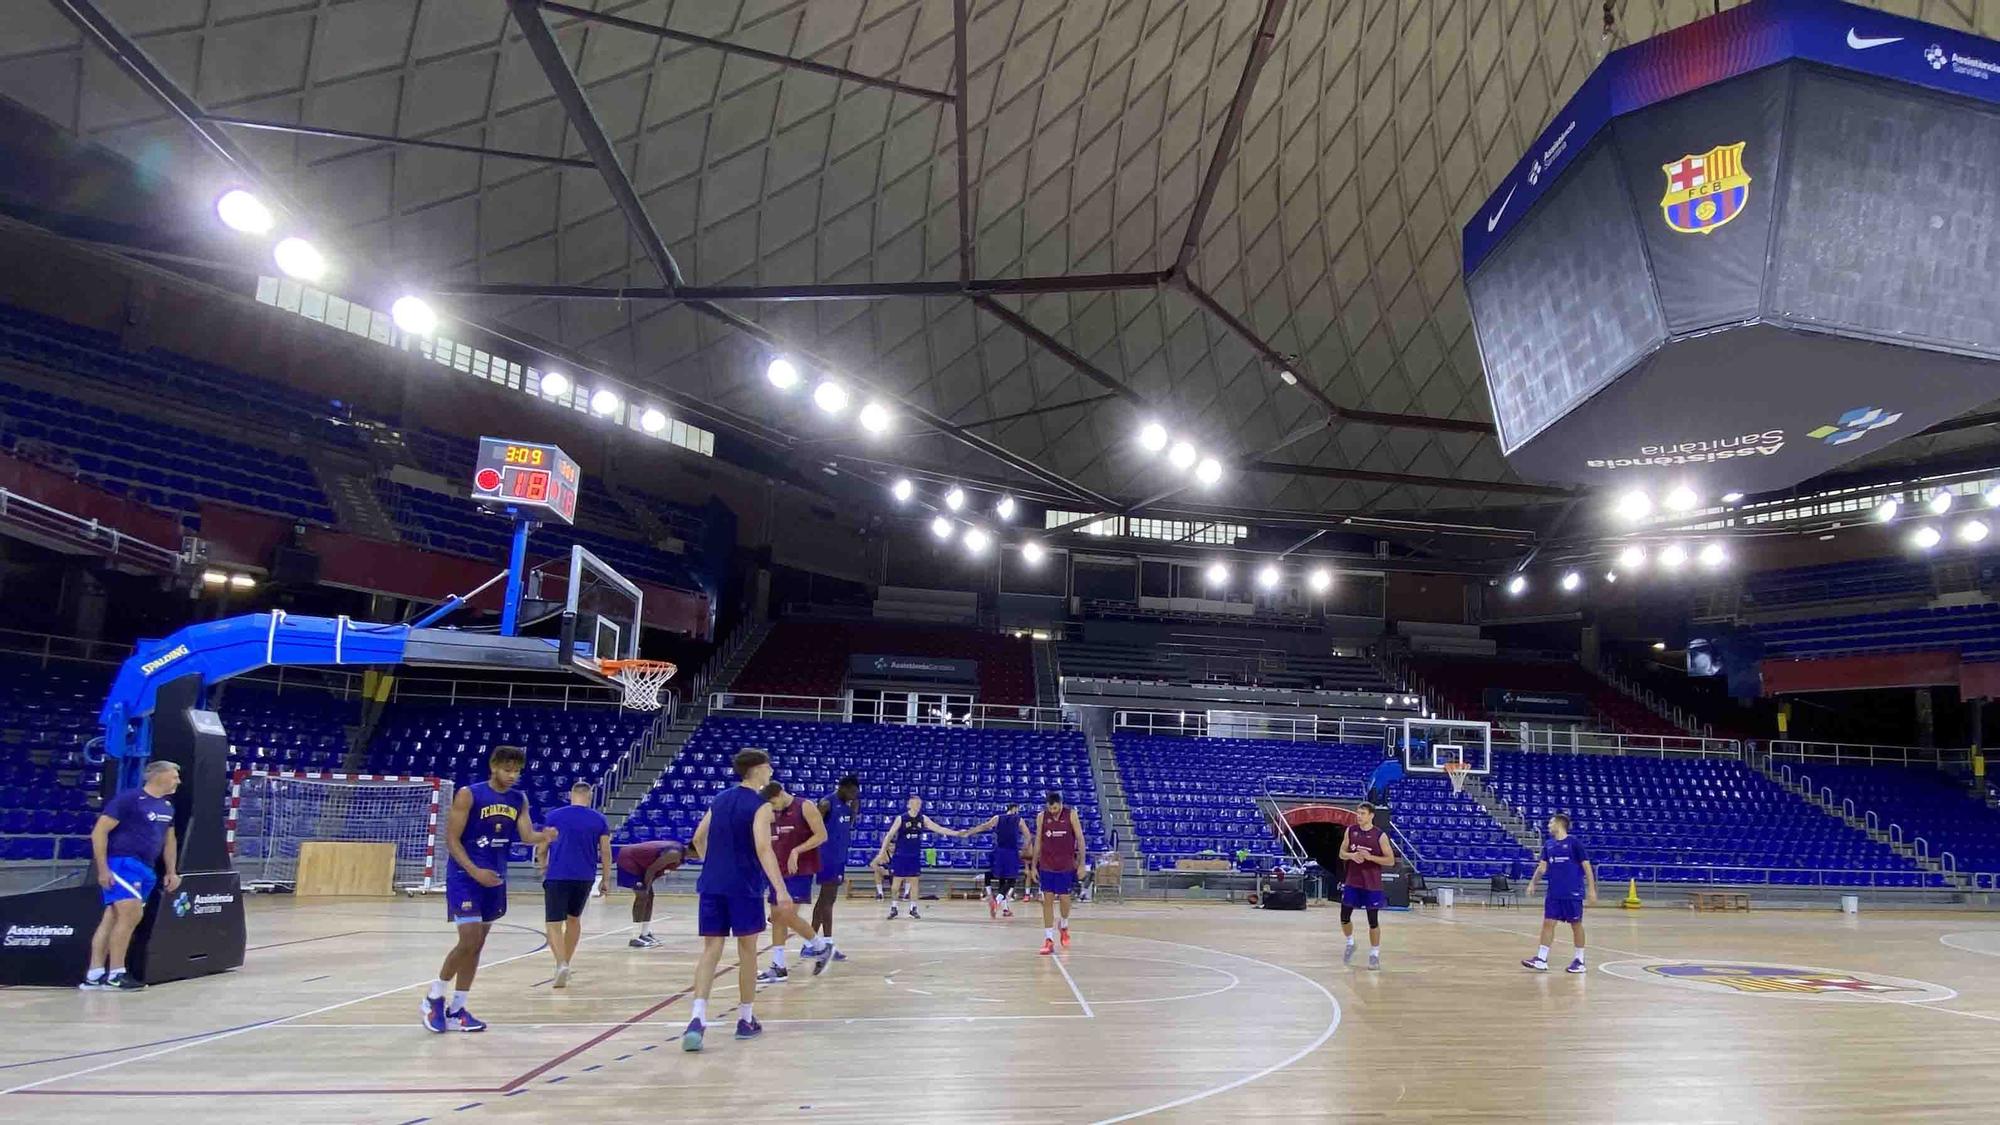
(1860,44)
(1494,221)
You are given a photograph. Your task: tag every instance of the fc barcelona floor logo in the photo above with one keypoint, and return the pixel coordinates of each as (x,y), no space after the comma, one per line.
(1705,190)
(1799,982)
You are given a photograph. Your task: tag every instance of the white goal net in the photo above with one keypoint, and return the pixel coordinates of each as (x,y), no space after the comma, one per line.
(271,813)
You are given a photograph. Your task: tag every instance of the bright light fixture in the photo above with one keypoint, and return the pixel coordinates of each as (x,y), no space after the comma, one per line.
(1209,471)
(1731,497)
(941,527)
(1572,581)
(604,400)
(1182,456)
(555,384)
(1286,377)
(1611,576)
(874,416)
(1153,437)
(830,397)
(239,210)
(300,259)
(1681,499)
(1517,585)
(782,374)
(1926,537)
(1659,646)
(1321,579)
(902,490)
(1886,510)
(652,421)
(241,582)
(414,315)
(1993,498)
(1635,505)
(1940,503)
(1268,576)
(1973,531)
(1712,555)
(1032,553)
(976,539)
(1632,558)
(1674,556)
(1005,508)
(1217,573)
(214,577)
(955,499)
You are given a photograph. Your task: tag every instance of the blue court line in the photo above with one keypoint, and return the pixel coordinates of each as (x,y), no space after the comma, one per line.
(515,1093)
(621,1058)
(322,976)
(594,1066)
(556,1079)
(416,1121)
(468,1105)
(138,1046)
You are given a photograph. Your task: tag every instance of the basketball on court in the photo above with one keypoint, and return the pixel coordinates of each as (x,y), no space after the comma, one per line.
(990,561)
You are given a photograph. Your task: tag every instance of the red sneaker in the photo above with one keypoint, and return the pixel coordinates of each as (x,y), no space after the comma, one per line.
(1065,936)
(1048,947)
(992,906)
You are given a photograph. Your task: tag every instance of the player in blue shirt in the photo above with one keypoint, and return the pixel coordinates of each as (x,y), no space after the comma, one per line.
(581,853)
(1003,865)
(737,863)
(133,833)
(485,820)
(838,812)
(1570,877)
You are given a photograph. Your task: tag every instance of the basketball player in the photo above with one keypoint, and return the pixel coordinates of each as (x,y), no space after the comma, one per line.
(1057,851)
(582,850)
(484,821)
(903,850)
(640,865)
(796,835)
(737,864)
(134,832)
(838,812)
(1367,851)
(1003,868)
(1570,873)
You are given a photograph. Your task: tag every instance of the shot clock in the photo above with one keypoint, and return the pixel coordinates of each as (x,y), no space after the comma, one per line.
(524,475)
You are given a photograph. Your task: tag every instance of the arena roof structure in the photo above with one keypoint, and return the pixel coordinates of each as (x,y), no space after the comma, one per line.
(1027,227)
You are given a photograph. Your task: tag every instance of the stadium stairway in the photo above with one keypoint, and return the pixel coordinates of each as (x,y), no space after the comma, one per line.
(1860,824)
(1503,814)
(670,736)
(1048,680)
(1111,801)
(353,498)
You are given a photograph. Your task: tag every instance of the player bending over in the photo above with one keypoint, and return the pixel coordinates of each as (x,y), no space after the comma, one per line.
(1570,874)
(737,864)
(486,817)
(838,811)
(903,850)
(1056,852)
(640,866)
(796,835)
(1003,868)
(581,852)
(1367,851)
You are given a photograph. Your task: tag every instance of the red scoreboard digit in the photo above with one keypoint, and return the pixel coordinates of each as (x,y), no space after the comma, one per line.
(522,474)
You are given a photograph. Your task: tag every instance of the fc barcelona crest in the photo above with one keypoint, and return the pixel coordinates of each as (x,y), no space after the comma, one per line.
(1705,190)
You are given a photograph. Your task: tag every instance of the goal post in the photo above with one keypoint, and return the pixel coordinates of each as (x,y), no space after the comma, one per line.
(273,812)
(1430,745)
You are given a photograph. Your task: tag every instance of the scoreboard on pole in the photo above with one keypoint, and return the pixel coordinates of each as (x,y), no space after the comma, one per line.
(520,474)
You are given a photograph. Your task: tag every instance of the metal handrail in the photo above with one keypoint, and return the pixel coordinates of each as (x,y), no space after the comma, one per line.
(1854,753)
(824,708)
(106,540)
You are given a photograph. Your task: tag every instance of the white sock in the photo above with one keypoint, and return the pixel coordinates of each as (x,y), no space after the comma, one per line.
(743,1013)
(700,1011)
(646,928)
(96,973)
(115,973)
(1541,953)
(1579,955)
(438,989)
(1064,923)
(778,957)
(1350,941)
(1049,934)
(1374,951)
(458,1001)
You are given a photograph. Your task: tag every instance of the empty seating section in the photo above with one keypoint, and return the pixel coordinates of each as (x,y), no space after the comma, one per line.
(1922,803)
(1462,682)
(964,775)
(48,794)
(1872,579)
(1972,630)
(1217,662)
(810,658)
(453,742)
(1693,821)
(1452,836)
(153,462)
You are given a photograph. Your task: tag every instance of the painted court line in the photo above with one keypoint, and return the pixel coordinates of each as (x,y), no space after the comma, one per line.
(1073,989)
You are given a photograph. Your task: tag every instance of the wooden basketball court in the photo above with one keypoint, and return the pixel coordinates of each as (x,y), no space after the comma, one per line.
(1185,1012)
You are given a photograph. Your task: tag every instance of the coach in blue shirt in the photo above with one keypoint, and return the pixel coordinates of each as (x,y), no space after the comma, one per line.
(133,834)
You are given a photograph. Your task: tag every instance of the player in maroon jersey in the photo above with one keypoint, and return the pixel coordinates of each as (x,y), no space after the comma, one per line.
(1054,857)
(797,831)
(1367,851)
(639,866)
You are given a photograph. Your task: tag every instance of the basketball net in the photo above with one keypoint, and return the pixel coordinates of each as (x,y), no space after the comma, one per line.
(1455,773)
(641,681)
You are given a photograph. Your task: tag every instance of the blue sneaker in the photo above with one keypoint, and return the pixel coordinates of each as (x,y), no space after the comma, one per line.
(691,1038)
(434,1014)
(464,1020)
(1347,958)
(748,1029)
(839,956)
(822,957)
(1576,966)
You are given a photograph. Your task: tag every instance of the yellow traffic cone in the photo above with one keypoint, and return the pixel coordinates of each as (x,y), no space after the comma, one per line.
(1631,895)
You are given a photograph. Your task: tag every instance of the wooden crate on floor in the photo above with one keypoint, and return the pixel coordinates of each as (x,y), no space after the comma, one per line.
(346,867)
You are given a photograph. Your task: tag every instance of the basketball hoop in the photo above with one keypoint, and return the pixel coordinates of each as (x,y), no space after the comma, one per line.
(1456,772)
(641,679)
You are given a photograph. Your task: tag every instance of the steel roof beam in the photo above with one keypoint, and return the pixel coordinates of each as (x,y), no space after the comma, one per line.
(406,142)
(811,291)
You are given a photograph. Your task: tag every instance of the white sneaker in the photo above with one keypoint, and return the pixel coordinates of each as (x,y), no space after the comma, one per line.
(1536,963)
(562,978)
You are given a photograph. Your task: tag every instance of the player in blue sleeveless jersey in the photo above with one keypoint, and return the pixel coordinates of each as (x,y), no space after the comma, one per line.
(838,812)
(486,818)
(738,863)
(903,850)
(1003,866)
(1571,877)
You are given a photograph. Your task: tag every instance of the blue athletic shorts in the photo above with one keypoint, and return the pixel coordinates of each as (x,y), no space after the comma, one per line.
(1361,898)
(632,880)
(466,901)
(729,915)
(1056,882)
(906,865)
(1006,864)
(800,887)
(830,877)
(131,878)
(1563,908)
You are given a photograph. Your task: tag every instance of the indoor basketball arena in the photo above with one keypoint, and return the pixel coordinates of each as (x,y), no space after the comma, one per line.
(998,560)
